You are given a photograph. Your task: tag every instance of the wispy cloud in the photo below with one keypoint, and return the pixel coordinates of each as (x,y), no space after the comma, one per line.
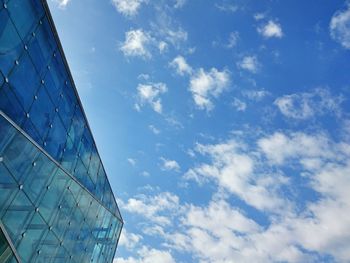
(153,129)
(131,161)
(305,105)
(239,105)
(226,6)
(62,3)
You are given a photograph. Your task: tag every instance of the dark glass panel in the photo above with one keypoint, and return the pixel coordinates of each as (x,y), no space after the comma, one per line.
(69,157)
(10,105)
(24,81)
(10,43)
(66,109)
(25,14)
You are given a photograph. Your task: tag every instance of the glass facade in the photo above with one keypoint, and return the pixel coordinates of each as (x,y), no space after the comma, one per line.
(56,203)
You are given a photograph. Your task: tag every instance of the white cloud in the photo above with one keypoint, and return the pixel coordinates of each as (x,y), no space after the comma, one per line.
(131,161)
(129,240)
(157,208)
(180,65)
(340,27)
(148,255)
(208,85)
(249,63)
(150,94)
(153,129)
(145,173)
(271,29)
(128,7)
(232,168)
(136,44)
(305,105)
(169,165)
(239,105)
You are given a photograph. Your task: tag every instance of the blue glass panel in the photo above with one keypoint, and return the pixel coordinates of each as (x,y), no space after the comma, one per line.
(31,130)
(38,177)
(10,43)
(25,14)
(53,84)
(49,205)
(18,157)
(18,216)
(8,188)
(56,139)
(69,157)
(47,248)
(77,127)
(85,147)
(25,81)
(66,109)
(10,105)
(40,49)
(42,112)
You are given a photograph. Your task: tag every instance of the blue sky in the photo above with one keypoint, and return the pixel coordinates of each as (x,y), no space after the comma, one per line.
(224,126)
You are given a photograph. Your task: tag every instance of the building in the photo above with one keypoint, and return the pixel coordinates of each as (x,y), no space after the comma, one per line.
(56,204)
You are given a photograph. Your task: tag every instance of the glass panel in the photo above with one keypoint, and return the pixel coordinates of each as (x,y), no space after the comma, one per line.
(49,205)
(8,188)
(41,48)
(25,14)
(42,112)
(18,216)
(25,81)
(30,239)
(56,139)
(66,109)
(38,177)
(69,156)
(10,105)
(10,43)
(18,157)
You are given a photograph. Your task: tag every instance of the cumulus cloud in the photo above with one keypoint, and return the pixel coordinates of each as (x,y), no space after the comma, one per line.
(206,85)
(298,228)
(153,208)
(180,65)
(305,105)
(271,29)
(340,27)
(249,63)
(128,7)
(136,44)
(233,169)
(169,165)
(129,240)
(150,94)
